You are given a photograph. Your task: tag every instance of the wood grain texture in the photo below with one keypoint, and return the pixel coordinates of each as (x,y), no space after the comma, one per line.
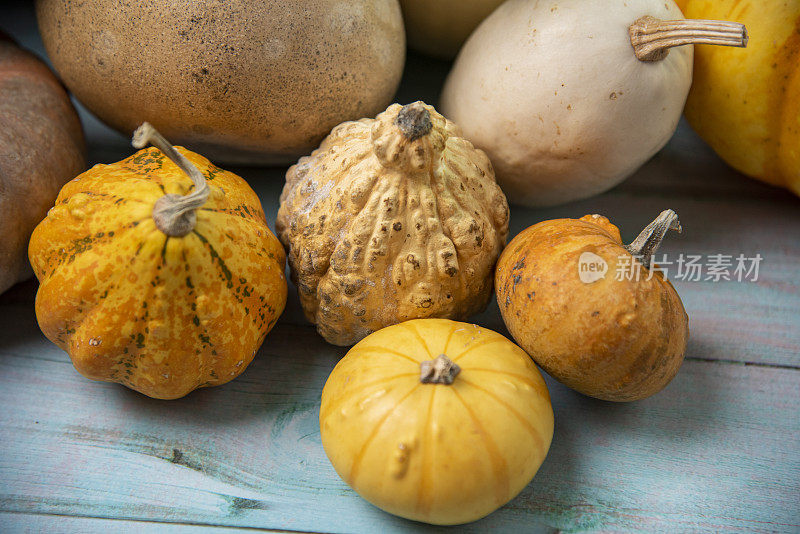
(718,449)
(35,523)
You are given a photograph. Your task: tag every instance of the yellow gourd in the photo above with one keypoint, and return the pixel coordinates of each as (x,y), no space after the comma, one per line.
(746,104)
(436,420)
(154,280)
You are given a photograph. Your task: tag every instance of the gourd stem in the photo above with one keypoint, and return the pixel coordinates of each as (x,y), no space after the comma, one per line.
(441,370)
(647,242)
(174,214)
(652,38)
(414,121)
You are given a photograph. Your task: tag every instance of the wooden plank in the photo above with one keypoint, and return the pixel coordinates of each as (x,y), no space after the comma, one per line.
(35,523)
(718,449)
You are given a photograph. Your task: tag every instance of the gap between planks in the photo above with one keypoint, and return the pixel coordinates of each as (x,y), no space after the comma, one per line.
(149,521)
(789,367)
(746,364)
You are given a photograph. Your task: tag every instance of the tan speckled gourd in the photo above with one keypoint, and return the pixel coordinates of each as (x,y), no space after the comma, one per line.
(236,80)
(391,219)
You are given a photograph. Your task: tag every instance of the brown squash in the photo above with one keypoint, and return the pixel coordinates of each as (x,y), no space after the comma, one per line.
(41,148)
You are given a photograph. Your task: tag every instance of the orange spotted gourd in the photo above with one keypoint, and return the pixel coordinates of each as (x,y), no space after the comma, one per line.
(158,272)
(596,315)
(436,420)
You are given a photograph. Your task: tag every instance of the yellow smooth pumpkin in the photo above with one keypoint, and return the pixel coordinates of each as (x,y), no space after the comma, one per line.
(431,441)
(132,301)
(746,103)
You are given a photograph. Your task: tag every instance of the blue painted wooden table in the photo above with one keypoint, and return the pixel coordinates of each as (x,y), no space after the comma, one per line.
(718,449)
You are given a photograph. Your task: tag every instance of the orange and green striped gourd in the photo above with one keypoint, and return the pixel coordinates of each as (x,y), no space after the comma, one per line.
(163,277)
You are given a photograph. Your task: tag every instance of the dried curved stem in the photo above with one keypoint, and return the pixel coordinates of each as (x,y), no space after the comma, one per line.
(648,241)
(652,38)
(174,214)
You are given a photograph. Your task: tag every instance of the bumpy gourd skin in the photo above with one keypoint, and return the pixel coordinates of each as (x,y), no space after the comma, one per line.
(443,454)
(160,315)
(746,103)
(618,340)
(381,229)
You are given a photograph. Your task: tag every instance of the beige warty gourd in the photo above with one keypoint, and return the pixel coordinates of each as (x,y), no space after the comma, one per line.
(391,219)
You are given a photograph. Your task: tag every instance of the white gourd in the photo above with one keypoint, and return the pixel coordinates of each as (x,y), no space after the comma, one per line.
(555,94)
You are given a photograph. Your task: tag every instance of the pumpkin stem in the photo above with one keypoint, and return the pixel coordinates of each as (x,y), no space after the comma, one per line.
(174,214)
(647,242)
(652,38)
(414,121)
(441,370)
